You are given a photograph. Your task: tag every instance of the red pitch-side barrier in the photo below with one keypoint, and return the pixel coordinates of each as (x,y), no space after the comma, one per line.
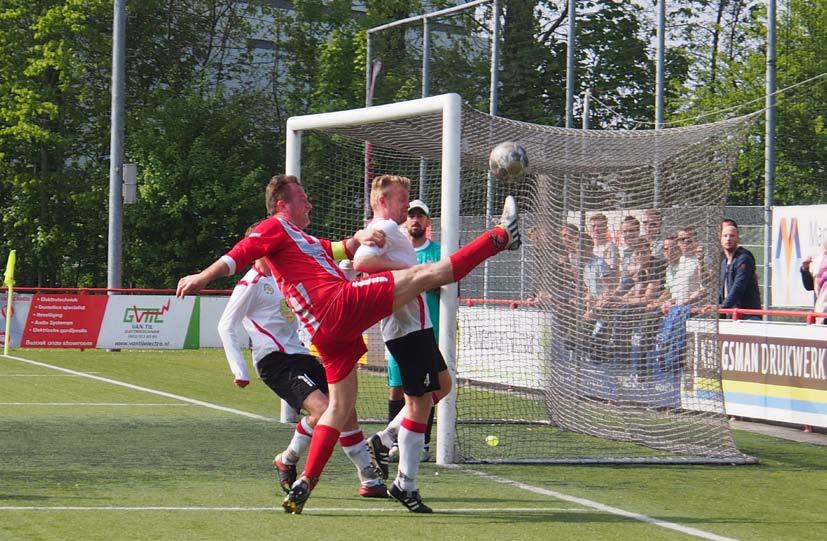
(101,290)
(809,317)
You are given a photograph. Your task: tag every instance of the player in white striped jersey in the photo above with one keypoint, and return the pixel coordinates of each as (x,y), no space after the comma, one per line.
(408,335)
(286,366)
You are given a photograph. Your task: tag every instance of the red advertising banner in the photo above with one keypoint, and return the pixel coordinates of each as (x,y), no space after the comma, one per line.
(64,321)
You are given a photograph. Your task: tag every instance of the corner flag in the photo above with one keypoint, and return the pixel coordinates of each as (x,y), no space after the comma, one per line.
(9,281)
(9,277)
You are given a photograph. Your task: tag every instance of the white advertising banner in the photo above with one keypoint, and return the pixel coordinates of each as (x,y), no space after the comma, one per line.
(146,322)
(797,232)
(21,303)
(211,310)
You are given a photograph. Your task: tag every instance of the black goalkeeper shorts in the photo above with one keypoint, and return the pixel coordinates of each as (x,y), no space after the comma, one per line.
(420,361)
(292,376)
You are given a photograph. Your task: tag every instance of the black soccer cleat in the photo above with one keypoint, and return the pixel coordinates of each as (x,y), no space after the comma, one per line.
(509,221)
(287,473)
(379,454)
(409,499)
(296,498)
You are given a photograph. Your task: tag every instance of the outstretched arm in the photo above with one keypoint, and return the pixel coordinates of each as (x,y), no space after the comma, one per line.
(193,283)
(376,263)
(235,311)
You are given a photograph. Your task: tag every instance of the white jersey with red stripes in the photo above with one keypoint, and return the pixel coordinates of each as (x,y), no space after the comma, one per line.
(398,248)
(257,303)
(302,265)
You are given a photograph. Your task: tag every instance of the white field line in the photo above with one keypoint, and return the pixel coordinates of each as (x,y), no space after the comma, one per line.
(502,480)
(102,404)
(600,507)
(42,375)
(397,509)
(145,389)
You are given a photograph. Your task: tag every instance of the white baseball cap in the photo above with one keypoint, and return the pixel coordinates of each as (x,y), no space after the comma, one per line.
(419,204)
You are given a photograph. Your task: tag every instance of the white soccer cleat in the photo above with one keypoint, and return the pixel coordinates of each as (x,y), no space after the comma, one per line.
(509,222)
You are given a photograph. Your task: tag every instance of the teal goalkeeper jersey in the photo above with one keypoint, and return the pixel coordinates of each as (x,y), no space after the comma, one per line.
(428,253)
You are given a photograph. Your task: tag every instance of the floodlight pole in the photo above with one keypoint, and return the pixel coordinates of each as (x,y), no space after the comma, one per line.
(115,241)
(492,110)
(769,152)
(659,67)
(571,42)
(426,91)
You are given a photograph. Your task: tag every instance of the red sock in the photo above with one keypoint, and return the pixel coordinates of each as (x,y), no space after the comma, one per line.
(321,447)
(478,250)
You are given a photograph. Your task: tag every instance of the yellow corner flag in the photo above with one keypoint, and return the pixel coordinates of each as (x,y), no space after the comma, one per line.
(9,277)
(9,281)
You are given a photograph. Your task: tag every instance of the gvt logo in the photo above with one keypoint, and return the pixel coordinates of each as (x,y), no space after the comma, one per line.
(133,314)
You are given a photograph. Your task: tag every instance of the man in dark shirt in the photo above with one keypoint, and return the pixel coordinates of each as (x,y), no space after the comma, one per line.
(739,283)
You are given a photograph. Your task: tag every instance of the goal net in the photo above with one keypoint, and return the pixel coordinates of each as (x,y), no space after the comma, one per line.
(594,342)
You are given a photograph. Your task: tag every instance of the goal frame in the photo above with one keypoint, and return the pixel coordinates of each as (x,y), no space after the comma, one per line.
(450,106)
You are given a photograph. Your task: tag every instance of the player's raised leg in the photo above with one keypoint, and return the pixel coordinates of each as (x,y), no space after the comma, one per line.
(410,282)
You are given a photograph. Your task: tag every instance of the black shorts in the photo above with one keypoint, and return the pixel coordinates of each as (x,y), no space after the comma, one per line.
(292,376)
(420,361)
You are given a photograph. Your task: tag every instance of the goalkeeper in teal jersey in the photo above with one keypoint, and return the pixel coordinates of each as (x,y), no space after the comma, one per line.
(418,224)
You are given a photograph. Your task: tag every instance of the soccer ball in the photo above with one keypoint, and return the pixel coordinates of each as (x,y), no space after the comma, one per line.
(508,161)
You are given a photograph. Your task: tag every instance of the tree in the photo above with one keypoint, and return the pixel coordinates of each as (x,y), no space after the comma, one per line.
(49,88)
(801,158)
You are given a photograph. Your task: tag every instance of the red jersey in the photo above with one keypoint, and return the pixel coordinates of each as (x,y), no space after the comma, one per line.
(302,265)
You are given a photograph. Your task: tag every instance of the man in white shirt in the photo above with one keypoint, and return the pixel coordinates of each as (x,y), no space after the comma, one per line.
(604,248)
(687,287)
(286,366)
(409,336)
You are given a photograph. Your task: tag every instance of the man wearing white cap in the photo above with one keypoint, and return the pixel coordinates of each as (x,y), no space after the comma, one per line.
(427,251)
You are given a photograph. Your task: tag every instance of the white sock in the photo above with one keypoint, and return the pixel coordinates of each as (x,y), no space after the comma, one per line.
(299,444)
(391,432)
(353,443)
(411,442)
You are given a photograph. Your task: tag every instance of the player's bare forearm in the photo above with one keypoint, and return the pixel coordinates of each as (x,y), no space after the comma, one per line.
(189,285)
(376,263)
(368,237)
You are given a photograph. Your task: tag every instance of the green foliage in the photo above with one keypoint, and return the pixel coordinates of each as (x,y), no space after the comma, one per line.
(48,92)
(202,154)
(210,84)
(739,85)
(524,64)
(204,168)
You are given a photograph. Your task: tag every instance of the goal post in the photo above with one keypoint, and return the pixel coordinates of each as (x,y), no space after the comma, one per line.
(450,107)
(592,343)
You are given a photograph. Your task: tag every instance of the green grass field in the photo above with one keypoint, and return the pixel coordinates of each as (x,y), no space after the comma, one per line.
(83,458)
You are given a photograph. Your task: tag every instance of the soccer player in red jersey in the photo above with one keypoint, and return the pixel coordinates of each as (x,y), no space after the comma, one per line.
(333,310)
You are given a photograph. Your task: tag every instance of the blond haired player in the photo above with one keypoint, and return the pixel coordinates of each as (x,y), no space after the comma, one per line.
(409,336)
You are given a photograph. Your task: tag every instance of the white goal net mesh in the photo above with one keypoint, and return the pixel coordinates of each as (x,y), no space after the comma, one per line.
(597,340)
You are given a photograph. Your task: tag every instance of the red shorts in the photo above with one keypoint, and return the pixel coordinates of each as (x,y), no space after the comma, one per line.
(361,304)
